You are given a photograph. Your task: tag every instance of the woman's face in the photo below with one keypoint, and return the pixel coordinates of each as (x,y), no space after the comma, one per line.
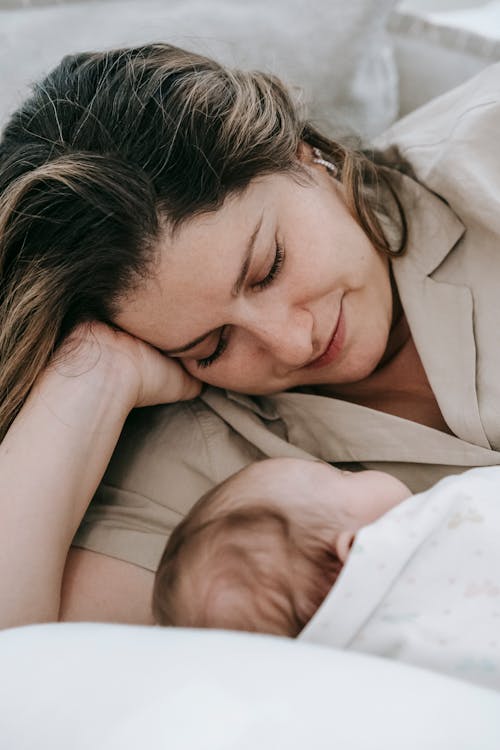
(277,289)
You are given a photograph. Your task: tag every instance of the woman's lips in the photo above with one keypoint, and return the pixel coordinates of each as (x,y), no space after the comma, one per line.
(334,346)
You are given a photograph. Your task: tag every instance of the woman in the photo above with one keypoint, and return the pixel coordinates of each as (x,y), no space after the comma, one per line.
(190,211)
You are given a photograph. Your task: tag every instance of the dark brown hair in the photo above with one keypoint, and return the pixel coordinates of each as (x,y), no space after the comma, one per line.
(110,148)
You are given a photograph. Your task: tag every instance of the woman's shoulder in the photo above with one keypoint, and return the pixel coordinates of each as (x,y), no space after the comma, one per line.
(443,120)
(450,143)
(451,146)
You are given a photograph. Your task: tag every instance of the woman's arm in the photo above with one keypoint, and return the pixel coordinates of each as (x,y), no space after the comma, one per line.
(55,454)
(99,588)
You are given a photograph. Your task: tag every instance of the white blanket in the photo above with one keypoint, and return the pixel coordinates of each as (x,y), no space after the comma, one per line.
(422,583)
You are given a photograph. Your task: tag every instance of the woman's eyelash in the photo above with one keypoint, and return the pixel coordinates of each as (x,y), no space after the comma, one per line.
(274,271)
(224,337)
(219,350)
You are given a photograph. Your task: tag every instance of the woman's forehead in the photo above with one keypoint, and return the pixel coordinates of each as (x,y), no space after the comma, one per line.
(196,270)
(205,236)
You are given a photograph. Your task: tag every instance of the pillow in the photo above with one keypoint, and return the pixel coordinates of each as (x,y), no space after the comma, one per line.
(118,687)
(439,45)
(337,53)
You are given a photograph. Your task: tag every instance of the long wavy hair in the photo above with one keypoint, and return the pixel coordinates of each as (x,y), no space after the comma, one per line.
(108,147)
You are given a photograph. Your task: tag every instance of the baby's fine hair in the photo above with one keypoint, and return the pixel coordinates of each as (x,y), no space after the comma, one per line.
(248,567)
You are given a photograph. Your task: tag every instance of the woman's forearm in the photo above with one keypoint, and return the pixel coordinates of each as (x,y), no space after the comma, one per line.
(51,462)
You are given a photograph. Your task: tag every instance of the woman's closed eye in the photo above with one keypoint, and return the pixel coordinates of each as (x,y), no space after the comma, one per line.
(223,342)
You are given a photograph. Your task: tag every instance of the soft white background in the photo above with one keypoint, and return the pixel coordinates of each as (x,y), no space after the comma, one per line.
(337,53)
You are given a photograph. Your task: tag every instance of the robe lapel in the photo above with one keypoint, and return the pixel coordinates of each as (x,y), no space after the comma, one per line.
(440,314)
(338,431)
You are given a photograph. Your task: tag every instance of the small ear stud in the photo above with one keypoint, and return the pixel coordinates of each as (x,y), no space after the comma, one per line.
(328,164)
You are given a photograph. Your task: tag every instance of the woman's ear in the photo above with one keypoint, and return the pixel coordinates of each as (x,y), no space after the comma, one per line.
(343,544)
(305,153)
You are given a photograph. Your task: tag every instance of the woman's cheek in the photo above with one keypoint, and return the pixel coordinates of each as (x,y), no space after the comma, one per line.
(222,376)
(209,375)
(192,368)
(243,376)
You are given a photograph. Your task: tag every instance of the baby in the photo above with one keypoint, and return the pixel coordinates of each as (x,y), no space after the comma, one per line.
(261,550)
(289,547)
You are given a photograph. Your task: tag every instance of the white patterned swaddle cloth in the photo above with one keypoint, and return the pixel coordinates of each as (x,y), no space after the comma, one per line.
(422,583)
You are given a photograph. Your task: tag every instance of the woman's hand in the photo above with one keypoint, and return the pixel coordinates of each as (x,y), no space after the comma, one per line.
(142,374)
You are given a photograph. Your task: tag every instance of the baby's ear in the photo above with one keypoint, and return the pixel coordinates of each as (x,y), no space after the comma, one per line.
(343,544)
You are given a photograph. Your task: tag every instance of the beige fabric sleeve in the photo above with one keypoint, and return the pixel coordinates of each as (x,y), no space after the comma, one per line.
(166,458)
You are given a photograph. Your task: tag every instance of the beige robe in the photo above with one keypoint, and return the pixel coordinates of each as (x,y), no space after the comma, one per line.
(449,284)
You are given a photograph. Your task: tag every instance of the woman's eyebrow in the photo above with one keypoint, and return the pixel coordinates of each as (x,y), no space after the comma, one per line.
(247,259)
(235,290)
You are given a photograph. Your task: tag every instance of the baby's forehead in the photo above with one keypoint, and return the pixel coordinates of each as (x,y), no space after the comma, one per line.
(258,482)
(270,474)
(282,468)
(279,482)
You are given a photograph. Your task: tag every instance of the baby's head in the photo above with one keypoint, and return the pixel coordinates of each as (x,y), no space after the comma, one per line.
(261,551)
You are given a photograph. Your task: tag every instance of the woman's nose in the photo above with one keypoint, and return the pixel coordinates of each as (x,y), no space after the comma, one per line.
(287,335)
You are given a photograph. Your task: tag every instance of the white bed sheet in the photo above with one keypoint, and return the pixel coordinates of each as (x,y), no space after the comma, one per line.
(117,687)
